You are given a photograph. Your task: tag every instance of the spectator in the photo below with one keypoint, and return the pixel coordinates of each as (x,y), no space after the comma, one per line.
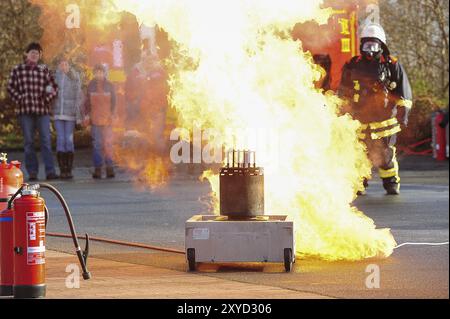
(100,107)
(66,111)
(33,88)
(146,92)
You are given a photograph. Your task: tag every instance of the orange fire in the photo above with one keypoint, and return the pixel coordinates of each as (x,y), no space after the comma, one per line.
(241,70)
(236,68)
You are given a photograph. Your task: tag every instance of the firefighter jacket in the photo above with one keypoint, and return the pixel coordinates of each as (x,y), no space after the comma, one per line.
(378,93)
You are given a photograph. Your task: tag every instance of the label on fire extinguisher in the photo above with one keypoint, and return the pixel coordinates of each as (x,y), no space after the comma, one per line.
(35,238)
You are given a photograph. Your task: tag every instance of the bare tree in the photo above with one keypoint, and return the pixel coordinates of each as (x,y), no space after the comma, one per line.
(418,32)
(19,25)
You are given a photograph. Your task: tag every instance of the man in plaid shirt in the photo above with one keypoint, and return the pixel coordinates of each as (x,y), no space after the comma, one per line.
(32,88)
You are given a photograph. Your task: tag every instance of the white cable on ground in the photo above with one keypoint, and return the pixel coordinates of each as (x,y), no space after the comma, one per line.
(422,244)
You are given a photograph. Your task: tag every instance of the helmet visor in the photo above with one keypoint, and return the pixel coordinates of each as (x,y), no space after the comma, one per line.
(371,47)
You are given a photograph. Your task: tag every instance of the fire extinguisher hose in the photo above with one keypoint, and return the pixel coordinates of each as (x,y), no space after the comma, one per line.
(11,200)
(82,255)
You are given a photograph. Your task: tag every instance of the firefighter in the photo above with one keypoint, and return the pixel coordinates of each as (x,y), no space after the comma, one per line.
(379,95)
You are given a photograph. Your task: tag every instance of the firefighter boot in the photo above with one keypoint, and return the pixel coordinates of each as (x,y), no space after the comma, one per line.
(69,164)
(62,164)
(110,172)
(391,185)
(366,185)
(97,173)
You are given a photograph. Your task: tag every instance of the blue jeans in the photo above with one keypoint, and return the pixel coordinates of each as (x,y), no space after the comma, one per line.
(102,144)
(29,124)
(64,136)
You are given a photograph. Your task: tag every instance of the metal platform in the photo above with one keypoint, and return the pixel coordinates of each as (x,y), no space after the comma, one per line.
(219,239)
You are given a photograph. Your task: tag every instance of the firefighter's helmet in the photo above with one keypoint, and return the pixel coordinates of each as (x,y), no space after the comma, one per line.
(374,31)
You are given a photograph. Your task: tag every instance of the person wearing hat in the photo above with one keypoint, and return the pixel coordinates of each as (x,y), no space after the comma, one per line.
(378,94)
(99,107)
(32,88)
(66,114)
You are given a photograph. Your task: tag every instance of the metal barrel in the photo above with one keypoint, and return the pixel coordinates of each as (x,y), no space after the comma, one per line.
(242,192)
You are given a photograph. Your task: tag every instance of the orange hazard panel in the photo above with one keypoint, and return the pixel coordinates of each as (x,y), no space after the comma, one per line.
(334,43)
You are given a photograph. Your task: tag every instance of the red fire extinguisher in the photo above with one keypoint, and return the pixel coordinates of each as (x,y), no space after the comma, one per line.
(6,253)
(30,217)
(29,245)
(11,178)
(439,138)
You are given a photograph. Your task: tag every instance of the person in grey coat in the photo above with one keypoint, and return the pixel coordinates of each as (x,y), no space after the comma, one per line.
(67,113)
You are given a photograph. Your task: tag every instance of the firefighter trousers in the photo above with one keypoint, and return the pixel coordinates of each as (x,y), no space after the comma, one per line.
(383,155)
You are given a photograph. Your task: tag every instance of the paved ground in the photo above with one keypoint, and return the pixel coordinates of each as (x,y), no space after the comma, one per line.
(116,209)
(113,279)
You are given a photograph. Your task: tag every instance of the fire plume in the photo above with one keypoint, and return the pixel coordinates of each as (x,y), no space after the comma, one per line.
(237,69)
(240,70)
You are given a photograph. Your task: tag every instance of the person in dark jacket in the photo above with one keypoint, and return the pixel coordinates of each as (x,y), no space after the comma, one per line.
(379,95)
(66,114)
(100,107)
(32,88)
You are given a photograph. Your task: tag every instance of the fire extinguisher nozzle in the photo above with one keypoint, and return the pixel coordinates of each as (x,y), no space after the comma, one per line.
(86,275)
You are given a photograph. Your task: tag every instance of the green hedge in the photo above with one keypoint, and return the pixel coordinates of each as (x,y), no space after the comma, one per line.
(14,140)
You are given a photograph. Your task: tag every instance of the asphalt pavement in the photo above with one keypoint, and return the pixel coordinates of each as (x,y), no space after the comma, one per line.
(120,210)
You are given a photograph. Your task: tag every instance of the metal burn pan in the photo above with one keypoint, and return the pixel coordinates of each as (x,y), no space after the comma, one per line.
(220,239)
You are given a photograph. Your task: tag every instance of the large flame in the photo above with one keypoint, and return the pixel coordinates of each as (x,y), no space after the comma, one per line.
(242,72)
